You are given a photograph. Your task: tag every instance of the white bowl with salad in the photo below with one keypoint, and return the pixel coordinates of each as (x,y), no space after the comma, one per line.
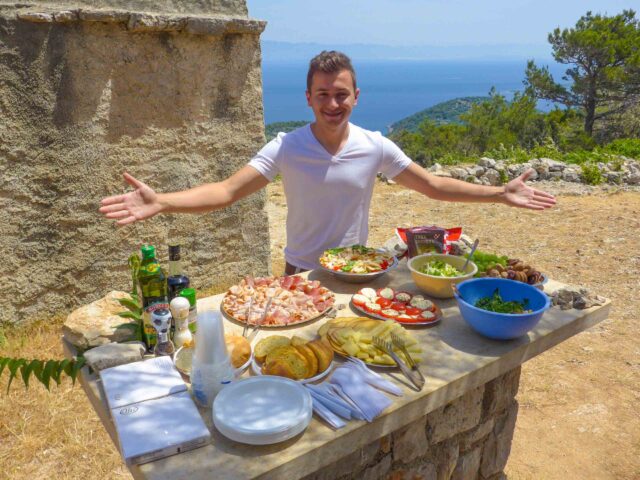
(357,263)
(436,273)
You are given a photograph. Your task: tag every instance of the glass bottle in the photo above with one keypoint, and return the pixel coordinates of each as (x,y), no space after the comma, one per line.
(152,283)
(176,280)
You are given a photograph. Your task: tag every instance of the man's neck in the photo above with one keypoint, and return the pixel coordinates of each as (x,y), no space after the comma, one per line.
(332,139)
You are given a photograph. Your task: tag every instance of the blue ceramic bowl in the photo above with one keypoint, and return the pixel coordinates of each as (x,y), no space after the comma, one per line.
(500,326)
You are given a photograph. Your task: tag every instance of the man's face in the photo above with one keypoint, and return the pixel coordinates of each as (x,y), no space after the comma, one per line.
(332,98)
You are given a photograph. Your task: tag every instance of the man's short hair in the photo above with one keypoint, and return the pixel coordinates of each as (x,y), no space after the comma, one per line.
(330,62)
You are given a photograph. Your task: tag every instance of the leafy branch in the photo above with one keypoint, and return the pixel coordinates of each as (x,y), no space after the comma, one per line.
(43,370)
(133,304)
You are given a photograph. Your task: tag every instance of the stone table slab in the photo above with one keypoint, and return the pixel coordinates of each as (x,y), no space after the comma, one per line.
(456,360)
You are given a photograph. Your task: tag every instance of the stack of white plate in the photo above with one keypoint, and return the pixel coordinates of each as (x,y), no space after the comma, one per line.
(262,410)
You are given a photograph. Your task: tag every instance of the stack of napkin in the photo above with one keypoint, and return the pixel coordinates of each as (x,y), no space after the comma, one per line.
(353,392)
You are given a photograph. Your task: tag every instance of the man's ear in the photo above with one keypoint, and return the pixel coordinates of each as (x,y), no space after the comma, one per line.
(356,95)
(308,95)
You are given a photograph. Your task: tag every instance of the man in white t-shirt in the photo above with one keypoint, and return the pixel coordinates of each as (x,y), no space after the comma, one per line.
(328,170)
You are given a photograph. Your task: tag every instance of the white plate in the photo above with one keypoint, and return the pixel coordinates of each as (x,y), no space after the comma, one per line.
(256,368)
(262,410)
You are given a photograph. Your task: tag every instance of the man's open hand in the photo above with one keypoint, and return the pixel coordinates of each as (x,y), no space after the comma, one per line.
(518,194)
(140,204)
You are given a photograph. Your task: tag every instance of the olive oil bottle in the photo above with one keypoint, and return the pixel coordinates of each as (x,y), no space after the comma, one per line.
(177,281)
(153,292)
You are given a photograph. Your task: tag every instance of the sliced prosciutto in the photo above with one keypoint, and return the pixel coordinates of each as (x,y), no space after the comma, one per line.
(293,300)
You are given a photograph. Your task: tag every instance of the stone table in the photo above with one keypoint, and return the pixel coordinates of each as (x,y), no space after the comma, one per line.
(459,426)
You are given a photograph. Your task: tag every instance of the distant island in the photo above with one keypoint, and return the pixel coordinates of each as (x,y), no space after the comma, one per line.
(271,130)
(441,113)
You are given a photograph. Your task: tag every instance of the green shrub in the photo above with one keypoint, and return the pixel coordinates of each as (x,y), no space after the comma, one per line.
(629,147)
(591,174)
(504,176)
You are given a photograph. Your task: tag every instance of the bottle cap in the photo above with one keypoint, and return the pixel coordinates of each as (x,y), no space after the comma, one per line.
(189,294)
(179,308)
(174,252)
(148,251)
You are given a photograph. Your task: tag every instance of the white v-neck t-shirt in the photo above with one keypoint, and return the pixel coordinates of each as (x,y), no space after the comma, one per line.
(328,196)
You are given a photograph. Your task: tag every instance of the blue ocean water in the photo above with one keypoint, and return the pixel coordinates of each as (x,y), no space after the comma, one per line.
(393,89)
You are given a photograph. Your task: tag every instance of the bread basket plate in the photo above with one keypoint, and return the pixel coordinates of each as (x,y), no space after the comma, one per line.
(437,312)
(183,357)
(256,368)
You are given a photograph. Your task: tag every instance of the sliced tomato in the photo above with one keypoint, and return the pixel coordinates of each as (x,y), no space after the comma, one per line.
(404,318)
(389,313)
(413,311)
(372,307)
(398,306)
(404,297)
(368,292)
(384,264)
(360,300)
(383,302)
(386,292)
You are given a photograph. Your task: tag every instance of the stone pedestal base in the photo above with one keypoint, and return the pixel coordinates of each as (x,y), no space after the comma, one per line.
(467,439)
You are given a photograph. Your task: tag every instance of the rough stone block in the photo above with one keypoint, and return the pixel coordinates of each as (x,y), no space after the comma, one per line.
(458,416)
(498,446)
(377,471)
(205,26)
(424,471)
(410,442)
(446,458)
(36,17)
(66,16)
(113,354)
(476,435)
(487,162)
(499,393)
(104,16)
(468,466)
(98,323)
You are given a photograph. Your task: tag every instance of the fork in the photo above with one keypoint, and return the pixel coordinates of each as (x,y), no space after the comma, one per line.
(253,333)
(399,343)
(387,348)
(246,323)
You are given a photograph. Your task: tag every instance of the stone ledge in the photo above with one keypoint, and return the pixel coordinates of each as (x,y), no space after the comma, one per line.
(148,22)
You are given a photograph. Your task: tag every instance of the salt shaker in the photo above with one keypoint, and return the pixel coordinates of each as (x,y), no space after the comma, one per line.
(180,311)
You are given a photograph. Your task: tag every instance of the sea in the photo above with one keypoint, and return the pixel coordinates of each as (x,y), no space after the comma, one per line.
(391,90)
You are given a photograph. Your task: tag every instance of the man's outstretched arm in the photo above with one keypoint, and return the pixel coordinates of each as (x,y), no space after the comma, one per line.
(143,202)
(515,193)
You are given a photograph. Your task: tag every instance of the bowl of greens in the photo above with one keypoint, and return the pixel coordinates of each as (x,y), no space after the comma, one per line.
(436,273)
(499,308)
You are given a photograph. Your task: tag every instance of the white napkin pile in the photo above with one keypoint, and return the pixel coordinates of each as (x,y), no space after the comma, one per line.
(353,392)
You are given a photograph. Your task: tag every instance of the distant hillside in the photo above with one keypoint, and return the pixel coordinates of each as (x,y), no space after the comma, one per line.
(273,129)
(445,112)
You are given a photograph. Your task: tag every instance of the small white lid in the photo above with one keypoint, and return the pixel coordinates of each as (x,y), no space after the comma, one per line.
(262,410)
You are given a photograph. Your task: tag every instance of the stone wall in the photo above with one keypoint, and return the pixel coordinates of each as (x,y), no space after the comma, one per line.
(467,439)
(86,94)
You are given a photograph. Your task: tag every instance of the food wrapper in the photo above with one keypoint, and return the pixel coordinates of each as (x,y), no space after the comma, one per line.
(428,239)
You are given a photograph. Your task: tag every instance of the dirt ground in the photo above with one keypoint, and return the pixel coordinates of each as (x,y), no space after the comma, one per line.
(578,414)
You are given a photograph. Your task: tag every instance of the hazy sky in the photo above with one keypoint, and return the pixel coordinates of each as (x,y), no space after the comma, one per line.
(423,22)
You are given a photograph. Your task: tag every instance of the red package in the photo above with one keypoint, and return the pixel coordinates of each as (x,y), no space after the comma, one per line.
(429,239)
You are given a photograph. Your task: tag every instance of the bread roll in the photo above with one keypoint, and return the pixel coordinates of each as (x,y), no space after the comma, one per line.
(239,349)
(264,346)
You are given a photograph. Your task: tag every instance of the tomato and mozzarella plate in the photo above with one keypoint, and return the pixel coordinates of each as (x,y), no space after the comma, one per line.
(400,306)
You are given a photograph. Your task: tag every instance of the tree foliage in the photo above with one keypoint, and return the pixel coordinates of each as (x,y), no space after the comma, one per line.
(604,58)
